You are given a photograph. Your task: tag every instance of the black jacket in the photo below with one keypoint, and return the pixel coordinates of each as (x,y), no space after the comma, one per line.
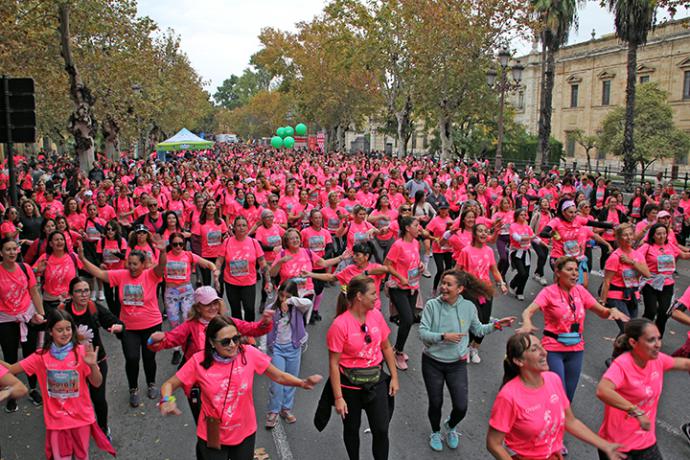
(102,317)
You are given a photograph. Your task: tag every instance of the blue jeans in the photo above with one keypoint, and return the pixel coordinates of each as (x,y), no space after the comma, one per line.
(629,307)
(568,366)
(287,359)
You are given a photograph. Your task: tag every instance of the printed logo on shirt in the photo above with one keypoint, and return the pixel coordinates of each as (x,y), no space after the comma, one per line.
(62,384)
(413,277)
(133,295)
(571,248)
(666,263)
(317,243)
(273,241)
(109,256)
(176,270)
(238,267)
(214,237)
(630,277)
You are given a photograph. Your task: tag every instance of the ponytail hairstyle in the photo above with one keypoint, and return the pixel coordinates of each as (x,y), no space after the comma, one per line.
(358,284)
(517,345)
(634,329)
(216,324)
(473,286)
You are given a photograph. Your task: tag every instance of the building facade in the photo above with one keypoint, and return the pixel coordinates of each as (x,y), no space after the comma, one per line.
(590,81)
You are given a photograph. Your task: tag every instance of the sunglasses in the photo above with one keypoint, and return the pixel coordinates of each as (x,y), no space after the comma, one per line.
(405,209)
(177,244)
(367,337)
(227,342)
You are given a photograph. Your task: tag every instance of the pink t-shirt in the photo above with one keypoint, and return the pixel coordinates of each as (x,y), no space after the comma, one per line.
(226,393)
(108,249)
(437,227)
(211,237)
(331,219)
(14,295)
(316,241)
(533,419)
(661,259)
(178,268)
(271,237)
(385,219)
(240,261)
(139,298)
(572,238)
(357,233)
(65,390)
(345,336)
(406,261)
(477,261)
(58,273)
(640,386)
(624,275)
(526,234)
(349,272)
(303,260)
(561,310)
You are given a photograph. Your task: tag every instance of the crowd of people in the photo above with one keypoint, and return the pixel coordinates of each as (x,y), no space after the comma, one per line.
(134,247)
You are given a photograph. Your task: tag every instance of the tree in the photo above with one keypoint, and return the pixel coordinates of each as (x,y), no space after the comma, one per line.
(556,17)
(656,136)
(588,142)
(258,117)
(633,20)
(226,95)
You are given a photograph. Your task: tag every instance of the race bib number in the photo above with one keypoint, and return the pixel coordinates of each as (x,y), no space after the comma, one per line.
(92,234)
(273,241)
(333,223)
(630,277)
(525,241)
(176,270)
(571,248)
(214,238)
(413,277)
(239,267)
(666,263)
(361,237)
(62,384)
(133,295)
(635,211)
(317,243)
(300,282)
(109,257)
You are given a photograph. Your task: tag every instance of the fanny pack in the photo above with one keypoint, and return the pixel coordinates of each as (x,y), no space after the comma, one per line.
(568,339)
(362,375)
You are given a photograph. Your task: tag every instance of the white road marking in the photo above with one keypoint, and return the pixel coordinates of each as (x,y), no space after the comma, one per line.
(663,424)
(281,441)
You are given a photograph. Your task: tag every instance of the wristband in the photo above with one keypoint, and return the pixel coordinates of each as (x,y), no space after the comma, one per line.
(167,399)
(149,341)
(339,397)
(497,325)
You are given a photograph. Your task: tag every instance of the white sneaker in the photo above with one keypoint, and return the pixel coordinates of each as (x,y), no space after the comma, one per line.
(474,356)
(101,295)
(543,281)
(93,295)
(597,273)
(520,297)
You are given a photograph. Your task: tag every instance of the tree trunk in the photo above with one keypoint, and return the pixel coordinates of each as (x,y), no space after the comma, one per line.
(404,125)
(445,131)
(340,138)
(82,123)
(628,141)
(546,107)
(331,139)
(589,161)
(538,160)
(111,130)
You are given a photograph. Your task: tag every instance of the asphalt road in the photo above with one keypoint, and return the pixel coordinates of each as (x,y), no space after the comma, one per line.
(143,434)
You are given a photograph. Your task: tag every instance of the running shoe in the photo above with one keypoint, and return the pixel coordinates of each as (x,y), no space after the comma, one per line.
(407,358)
(36,398)
(400,362)
(11,406)
(685,429)
(108,434)
(436,441)
(474,356)
(101,295)
(152,392)
(288,416)
(520,297)
(427,273)
(271,420)
(134,400)
(564,451)
(452,436)
(176,358)
(316,316)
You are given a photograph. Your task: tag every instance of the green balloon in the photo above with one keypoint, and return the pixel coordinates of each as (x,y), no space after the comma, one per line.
(289,131)
(289,142)
(277,142)
(301,129)
(280,132)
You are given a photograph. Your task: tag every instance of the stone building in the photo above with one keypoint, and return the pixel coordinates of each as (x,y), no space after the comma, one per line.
(590,81)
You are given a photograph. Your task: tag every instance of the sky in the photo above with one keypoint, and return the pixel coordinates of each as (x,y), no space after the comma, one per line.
(219,36)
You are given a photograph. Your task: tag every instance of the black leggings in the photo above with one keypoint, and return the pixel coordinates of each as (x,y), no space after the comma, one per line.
(604,255)
(100,404)
(206,277)
(134,342)
(242,451)
(241,298)
(484,314)
(649,453)
(656,305)
(502,244)
(454,375)
(444,261)
(406,302)
(9,342)
(375,403)
(112,299)
(520,279)
(542,256)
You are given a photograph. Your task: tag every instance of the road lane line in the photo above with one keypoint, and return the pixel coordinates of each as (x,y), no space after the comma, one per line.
(663,424)
(281,442)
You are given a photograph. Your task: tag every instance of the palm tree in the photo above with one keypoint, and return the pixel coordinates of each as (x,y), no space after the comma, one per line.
(556,17)
(633,20)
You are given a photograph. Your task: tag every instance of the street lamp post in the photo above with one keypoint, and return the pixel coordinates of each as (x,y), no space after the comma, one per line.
(502,86)
(139,92)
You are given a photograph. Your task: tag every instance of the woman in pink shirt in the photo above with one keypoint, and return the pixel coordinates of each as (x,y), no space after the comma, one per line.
(631,387)
(531,412)
(140,314)
(504,215)
(357,346)
(240,257)
(57,268)
(660,256)
(65,369)
(358,230)
(212,231)
(540,218)
(478,259)
(440,247)
(564,304)
(319,241)
(224,373)
(381,217)
(521,239)
(404,258)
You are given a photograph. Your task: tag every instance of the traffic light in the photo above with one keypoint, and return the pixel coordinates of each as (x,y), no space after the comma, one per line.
(17,100)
